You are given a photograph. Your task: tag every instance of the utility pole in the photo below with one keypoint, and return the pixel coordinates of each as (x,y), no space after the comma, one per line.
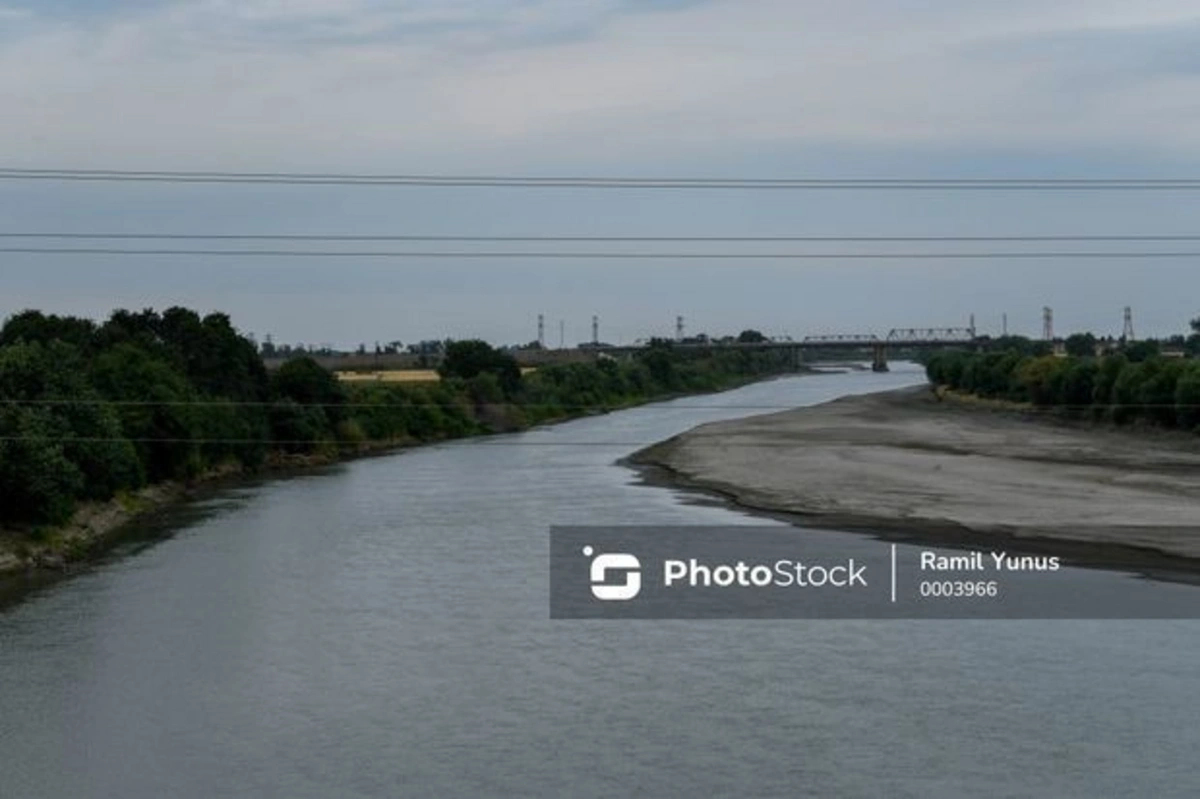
(562,334)
(1004,324)
(1127,334)
(1048,323)
(595,330)
(972,325)
(541,339)
(679,328)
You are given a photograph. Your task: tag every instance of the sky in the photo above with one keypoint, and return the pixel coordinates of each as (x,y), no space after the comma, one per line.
(658,88)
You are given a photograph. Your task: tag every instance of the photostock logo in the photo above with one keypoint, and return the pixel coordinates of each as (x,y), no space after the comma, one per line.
(614,562)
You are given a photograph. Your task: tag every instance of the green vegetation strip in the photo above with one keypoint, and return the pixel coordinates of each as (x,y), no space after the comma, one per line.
(1123,385)
(91,412)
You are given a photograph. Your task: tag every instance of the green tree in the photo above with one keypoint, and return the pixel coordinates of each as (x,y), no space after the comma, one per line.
(142,329)
(1157,393)
(1079,385)
(1042,379)
(1126,394)
(34,326)
(1020,345)
(466,359)
(38,482)
(307,382)
(1138,351)
(751,337)
(298,428)
(661,367)
(155,409)
(1081,345)
(54,417)
(1187,397)
(308,403)
(484,389)
(1104,383)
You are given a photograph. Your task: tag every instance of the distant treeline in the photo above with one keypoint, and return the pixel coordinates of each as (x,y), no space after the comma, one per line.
(1136,384)
(88,410)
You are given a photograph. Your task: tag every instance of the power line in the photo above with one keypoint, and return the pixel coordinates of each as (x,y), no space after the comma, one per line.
(483,440)
(477,440)
(592,255)
(269,404)
(655,405)
(333,237)
(592,182)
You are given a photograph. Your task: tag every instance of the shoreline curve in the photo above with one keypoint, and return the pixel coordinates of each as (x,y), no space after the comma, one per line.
(909,465)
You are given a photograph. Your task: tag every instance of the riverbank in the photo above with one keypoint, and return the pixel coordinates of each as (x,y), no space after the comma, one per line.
(907,463)
(96,526)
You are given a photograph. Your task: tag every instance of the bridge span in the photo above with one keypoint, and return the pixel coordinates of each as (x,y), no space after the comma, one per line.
(899,337)
(878,347)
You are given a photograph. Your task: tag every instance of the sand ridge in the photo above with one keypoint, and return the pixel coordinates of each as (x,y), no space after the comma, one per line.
(907,461)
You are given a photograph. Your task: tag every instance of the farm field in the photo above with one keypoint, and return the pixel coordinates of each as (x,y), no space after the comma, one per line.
(391,376)
(400,375)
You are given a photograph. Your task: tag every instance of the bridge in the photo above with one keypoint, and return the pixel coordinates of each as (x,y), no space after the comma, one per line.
(906,338)
(898,337)
(878,346)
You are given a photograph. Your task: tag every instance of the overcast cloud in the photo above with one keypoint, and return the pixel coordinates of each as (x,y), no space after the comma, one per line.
(770,88)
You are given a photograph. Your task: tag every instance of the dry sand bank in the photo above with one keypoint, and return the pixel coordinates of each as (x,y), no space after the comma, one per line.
(904,462)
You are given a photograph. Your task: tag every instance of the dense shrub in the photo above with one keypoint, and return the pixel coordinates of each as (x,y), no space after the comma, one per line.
(1151,388)
(58,441)
(89,410)
(1187,397)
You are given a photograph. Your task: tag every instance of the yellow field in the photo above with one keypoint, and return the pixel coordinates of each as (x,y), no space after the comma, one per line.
(391,376)
(400,376)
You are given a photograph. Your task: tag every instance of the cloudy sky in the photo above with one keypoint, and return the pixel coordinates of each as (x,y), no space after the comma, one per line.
(723,88)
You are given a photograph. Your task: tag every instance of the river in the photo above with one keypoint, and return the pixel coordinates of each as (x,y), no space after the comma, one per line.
(381,629)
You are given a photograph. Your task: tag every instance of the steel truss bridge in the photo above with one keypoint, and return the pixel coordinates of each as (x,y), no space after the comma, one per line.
(878,347)
(900,336)
(897,338)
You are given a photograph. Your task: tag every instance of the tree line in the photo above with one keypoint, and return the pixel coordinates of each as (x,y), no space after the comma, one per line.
(89,410)
(1129,384)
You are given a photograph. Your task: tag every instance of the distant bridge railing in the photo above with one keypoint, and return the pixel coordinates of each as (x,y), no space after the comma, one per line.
(931,335)
(899,337)
(841,339)
(896,336)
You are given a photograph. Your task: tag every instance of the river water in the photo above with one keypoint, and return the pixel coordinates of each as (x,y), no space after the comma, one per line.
(381,629)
